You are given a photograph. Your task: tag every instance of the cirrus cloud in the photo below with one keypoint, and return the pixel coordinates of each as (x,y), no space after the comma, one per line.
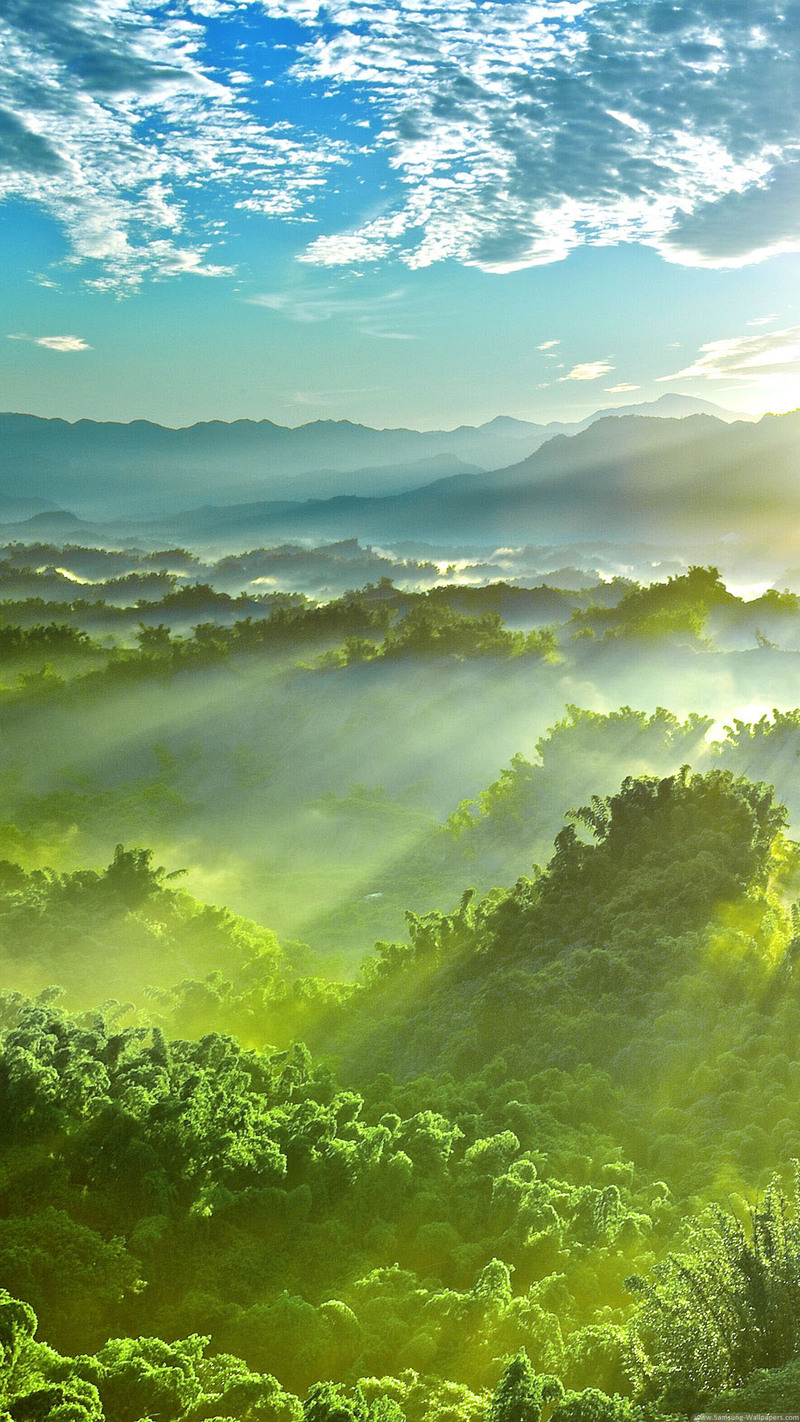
(368,314)
(743,357)
(111,120)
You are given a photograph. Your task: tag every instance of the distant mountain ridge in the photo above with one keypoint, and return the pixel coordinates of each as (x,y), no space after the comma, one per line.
(622,478)
(105,470)
(14,507)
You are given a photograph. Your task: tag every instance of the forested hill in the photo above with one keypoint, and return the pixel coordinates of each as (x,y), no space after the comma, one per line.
(464,1201)
(531,1161)
(620,959)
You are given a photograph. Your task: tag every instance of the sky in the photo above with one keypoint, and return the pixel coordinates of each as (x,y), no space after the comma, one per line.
(397,212)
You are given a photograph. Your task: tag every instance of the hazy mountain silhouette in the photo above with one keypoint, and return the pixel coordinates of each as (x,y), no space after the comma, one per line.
(669,406)
(103,470)
(623,477)
(52,526)
(14,508)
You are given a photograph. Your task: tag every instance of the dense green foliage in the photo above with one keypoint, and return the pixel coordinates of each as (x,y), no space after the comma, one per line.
(355,1219)
(731,1308)
(160,622)
(531,1162)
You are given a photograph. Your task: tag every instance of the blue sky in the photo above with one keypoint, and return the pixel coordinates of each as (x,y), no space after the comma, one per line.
(408,213)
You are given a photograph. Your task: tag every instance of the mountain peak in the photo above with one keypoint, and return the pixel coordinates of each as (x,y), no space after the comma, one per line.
(507,424)
(670,405)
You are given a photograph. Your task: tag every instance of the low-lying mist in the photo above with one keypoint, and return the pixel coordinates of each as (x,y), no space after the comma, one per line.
(297,1046)
(308,796)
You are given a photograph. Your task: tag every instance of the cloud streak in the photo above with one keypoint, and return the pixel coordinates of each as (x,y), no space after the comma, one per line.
(589,370)
(368,314)
(743,357)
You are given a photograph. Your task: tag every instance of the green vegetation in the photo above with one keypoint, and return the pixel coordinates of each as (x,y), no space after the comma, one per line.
(444,1180)
(509,1135)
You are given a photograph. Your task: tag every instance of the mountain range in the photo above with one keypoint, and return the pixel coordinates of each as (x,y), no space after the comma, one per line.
(105,471)
(623,477)
(627,477)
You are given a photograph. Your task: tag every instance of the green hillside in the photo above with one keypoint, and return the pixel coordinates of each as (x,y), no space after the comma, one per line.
(502,1129)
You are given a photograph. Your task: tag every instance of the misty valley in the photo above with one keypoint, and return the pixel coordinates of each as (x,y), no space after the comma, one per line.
(399,979)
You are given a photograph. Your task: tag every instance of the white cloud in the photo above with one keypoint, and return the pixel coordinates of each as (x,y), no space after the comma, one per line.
(763,320)
(375,241)
(54,343)
(520,130)
(752,221)
(590,370)
(110,121)
(547,345)
(514,130)
(744,357)
(623,389)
